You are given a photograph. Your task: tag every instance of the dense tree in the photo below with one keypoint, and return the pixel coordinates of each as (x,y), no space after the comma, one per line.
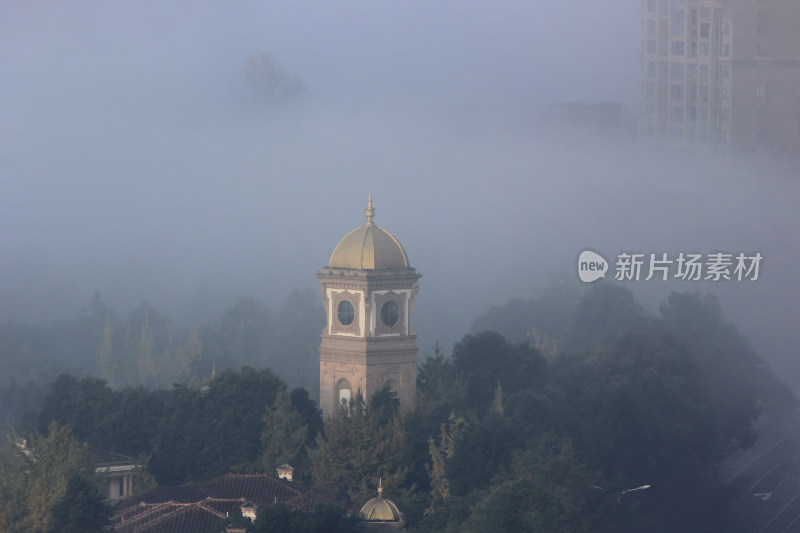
(726,361)
(284,436)
(639,411)
(547,489)
(214,431)
(324,519)
(81,509)
(604,312)
(356,449)
(440,452)
(484,360)
(34,480)
(501,437)
(384,404)
(87,406)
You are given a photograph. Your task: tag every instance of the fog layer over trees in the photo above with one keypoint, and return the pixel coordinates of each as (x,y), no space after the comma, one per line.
(173,176)
(546,434)
(136,163)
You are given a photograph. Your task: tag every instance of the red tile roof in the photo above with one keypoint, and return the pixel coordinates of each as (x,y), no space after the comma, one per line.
(201,507)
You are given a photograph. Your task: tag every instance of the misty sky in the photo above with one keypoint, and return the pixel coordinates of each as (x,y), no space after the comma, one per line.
(129,165)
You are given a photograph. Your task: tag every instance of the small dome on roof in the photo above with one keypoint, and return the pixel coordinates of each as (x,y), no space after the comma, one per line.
(369,247)
(379,509)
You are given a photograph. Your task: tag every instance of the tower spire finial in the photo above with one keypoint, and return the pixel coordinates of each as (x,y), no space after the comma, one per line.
(380,487)
(369,212)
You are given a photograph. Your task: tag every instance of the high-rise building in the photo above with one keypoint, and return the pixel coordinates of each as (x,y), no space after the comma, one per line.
(721,75)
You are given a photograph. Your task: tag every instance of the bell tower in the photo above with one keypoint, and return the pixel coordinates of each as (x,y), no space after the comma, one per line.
(368,291)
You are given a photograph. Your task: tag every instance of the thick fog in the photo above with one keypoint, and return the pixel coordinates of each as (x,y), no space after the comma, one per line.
(131,163)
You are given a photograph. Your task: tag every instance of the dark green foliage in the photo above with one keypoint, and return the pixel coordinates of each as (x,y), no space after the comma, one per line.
(285,436)
(81,509)
(324,519)
(603,313)
(308,409)
(641,405)
(356,449)
(189,433)
(484,360)
(500,438)
(384,404)
(215,431)
(726,362)
(548,489)
(484,450)
(32,483)
(87,405)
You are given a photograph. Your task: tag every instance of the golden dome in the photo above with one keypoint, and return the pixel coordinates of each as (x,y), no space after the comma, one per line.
(369,247)
(379,509)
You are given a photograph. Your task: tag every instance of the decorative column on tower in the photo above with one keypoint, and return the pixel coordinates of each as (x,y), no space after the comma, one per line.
(368,290)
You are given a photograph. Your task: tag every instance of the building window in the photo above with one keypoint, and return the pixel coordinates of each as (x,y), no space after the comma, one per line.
(726,50)
(676,114)
(345,313)
(650,108)
(678,48)
(651,46)
(692,114)
(703,114)
(678,23)
(651,69)
(692,68)
(676,92)
(390,314)
(704,71)
(702,136)
(726,28)
(704,49)
(677,71)
(726,115)
(758,92)
(703,90)
(651,6)
(651,90)
(344,393)
(676,133)
(651,27)
(723,92)
(705,12)
(705,30)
